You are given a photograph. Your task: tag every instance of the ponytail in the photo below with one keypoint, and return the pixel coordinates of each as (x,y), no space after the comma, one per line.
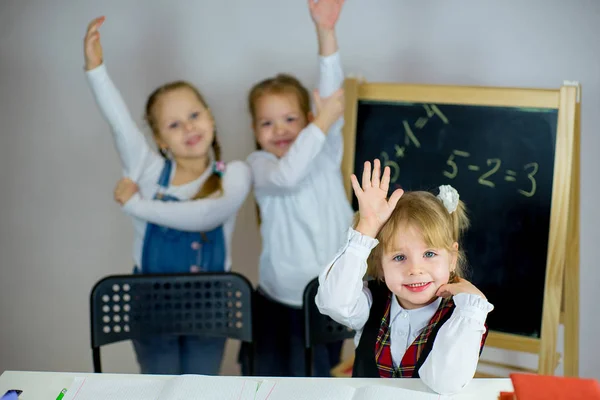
(214,184)
(460,223)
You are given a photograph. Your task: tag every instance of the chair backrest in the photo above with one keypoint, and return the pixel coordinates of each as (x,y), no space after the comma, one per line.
(319,328)
(126,307)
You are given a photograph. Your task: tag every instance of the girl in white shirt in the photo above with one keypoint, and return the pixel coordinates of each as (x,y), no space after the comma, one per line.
(183,201)
(418,317)
(299,189)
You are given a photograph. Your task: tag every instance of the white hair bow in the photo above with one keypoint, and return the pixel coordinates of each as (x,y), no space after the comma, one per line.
(449,196)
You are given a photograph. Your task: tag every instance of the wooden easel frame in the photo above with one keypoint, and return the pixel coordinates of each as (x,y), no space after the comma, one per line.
(561,290)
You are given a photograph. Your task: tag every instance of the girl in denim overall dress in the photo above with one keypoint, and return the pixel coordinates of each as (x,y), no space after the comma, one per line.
(183,201)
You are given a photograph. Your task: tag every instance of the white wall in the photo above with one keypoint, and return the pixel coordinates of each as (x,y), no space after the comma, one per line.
(59,229)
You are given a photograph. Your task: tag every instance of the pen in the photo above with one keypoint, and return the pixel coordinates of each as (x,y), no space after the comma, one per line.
(11,395)
(61,394)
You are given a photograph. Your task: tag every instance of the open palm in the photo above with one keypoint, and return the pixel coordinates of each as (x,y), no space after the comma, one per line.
(325,13)
(373,204)
(91,44)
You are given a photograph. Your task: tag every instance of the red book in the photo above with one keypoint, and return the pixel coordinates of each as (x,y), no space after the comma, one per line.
(545,387)
(507,396)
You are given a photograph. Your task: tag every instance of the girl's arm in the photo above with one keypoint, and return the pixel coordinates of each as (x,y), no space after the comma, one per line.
(325,14)
(134,151)
(197,215)
(342,293)
(332,79)
(283,174)
(452,362)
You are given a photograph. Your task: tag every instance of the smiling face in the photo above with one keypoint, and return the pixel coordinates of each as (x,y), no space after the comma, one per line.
(279,120)
(414,271)
(418,248)
(280,109)
(182,123)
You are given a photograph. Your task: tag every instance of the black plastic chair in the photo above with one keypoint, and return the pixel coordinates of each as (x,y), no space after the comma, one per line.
(318,328)
(125,307)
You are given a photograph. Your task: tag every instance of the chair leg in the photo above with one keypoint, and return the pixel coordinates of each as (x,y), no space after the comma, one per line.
(251,354)
(308,353)
(96,358)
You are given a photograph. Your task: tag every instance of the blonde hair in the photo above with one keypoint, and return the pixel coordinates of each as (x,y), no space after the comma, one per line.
(213,185)
(427,213)
(278,85)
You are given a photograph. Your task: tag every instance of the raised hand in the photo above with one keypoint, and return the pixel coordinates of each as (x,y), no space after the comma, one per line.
(92,49)
(373,205)
(325,13)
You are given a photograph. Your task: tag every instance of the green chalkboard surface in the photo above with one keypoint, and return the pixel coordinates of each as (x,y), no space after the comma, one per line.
(501,161)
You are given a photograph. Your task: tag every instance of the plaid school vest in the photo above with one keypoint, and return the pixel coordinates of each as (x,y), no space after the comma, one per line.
(373,355)
(383,349)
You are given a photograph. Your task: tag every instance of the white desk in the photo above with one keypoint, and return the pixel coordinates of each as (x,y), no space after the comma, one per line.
(47,385)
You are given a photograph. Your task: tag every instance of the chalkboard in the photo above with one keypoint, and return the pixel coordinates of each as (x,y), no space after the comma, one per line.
(501,161)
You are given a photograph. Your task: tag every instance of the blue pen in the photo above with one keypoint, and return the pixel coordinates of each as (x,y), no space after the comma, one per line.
(11,395)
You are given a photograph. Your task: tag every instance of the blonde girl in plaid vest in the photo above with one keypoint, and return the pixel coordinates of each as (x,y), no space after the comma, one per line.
(418,317)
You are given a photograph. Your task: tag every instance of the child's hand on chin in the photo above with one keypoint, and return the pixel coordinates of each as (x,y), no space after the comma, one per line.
(462,286)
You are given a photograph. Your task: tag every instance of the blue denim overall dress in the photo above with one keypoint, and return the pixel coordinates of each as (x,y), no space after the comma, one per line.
(167,250)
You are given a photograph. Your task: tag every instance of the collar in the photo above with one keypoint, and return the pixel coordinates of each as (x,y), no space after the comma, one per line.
(419,317)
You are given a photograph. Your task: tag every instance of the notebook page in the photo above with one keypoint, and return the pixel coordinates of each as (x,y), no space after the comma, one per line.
(114,389)
(264,390)
(389,392)
(198,387)
(302,389)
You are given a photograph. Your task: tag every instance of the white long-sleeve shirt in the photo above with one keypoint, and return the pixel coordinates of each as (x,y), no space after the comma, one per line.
(346,298)
(144,165)
(303,206)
